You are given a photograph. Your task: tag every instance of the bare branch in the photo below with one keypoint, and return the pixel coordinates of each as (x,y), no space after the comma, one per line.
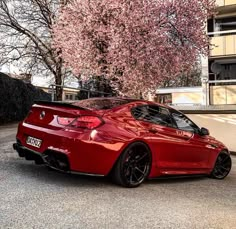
(26,36)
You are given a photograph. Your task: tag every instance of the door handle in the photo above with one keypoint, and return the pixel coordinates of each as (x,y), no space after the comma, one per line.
(153,130)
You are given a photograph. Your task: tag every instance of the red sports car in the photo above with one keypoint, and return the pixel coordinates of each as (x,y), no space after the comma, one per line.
(131,140)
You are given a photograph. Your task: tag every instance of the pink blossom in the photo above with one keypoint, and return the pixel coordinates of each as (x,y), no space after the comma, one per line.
(139,43)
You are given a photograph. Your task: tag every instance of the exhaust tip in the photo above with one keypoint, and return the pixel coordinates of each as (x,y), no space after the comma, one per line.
(57,161)
(15,146)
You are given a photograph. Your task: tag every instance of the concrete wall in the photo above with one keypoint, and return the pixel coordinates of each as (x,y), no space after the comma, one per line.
(221,126)
(187,98)
(183,95)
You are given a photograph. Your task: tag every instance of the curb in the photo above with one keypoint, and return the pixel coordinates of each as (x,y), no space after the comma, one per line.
(208,111)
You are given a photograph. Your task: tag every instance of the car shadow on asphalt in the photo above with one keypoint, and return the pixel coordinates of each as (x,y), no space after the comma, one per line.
(177,179)
(46,175)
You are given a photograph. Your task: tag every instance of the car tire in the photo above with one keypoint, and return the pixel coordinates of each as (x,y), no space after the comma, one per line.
(133,166)
(222,166)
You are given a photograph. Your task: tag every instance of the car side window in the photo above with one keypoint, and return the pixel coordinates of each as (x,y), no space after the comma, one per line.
(153,114)
(183,123)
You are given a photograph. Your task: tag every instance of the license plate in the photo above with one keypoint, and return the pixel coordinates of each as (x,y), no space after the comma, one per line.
(33,142)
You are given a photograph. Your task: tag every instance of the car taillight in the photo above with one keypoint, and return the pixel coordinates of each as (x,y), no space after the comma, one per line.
(87,122)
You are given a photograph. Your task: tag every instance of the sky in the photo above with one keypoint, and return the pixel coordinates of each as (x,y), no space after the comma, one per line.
(46,81)
(39,80)
(36,80)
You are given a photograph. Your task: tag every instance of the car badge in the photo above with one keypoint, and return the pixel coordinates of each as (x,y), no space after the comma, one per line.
(42,115)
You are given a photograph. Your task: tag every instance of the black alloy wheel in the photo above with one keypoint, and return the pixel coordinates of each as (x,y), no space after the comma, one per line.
(133,166)
(222,166)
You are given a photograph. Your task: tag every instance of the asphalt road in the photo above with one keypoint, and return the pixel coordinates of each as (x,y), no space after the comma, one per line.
(33,197)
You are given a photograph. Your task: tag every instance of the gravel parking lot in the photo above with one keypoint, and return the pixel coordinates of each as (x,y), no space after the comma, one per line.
(31,196)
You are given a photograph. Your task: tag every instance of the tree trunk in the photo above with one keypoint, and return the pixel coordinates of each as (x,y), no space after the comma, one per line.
(59,84)
(59,89)
(59,80)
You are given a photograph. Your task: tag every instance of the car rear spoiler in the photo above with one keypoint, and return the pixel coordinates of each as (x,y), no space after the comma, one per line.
(58,104)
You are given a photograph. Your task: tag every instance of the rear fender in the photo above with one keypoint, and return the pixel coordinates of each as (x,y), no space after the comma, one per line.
(126,146)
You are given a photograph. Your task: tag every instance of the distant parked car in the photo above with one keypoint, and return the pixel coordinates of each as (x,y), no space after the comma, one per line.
(128,139)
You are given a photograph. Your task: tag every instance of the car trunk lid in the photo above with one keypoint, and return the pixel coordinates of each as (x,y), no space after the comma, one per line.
(55,115)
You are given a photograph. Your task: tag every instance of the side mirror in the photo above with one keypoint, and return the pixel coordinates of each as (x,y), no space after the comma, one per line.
(204,131)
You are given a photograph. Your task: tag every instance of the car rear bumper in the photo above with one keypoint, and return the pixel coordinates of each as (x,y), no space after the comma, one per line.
(28,154)
(84,152)
(55,160)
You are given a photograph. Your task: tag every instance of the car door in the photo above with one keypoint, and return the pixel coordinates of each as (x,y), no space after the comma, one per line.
(173,146)
(168,143)
(197,154)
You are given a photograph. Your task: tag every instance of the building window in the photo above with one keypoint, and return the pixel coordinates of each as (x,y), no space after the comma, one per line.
(221,70)
(164,98)
(225,24)
(210,26)
(68,96)
(221,25)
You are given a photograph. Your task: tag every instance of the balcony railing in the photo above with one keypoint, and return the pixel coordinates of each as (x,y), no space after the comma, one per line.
(225,2)
(223,45)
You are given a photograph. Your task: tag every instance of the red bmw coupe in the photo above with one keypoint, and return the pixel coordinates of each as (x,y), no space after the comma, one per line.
(131,140)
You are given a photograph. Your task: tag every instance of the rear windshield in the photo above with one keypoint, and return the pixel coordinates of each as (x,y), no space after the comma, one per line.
(100,104)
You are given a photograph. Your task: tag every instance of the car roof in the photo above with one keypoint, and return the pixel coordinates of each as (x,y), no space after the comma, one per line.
(125,99)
